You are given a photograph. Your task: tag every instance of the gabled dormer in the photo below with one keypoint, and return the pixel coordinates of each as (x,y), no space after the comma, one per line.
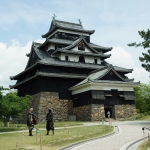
(80,51)
(108,73)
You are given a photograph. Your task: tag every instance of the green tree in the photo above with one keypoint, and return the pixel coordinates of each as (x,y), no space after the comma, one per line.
(142,93)
(145,35)
(11,105)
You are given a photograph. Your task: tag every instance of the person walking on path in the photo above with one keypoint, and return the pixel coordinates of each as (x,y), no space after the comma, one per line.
(49,124)
(31,120)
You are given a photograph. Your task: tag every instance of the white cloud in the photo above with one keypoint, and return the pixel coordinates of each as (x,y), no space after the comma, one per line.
(13,60)
(120,57)
(139,74)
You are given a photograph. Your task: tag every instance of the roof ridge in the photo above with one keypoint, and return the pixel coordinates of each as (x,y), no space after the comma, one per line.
(68,22)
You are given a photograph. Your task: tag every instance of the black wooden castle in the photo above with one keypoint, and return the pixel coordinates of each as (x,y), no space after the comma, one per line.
(69,64)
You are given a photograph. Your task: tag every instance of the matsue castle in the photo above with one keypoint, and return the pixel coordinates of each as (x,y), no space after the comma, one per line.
(70,74)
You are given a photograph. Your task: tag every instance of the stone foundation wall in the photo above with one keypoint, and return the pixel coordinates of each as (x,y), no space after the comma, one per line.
(97,112)
(44,100)
(63,108)
(124,111)
(83,113)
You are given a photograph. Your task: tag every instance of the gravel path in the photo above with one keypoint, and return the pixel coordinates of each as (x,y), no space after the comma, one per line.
(129,131)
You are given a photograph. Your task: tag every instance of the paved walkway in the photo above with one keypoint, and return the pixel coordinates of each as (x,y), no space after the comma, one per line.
(129,131)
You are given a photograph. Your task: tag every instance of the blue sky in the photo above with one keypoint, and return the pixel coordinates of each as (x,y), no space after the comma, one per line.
(116,23)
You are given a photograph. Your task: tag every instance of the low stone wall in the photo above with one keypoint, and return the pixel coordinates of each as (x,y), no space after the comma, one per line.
(83,113)
(124,111)
(97,112)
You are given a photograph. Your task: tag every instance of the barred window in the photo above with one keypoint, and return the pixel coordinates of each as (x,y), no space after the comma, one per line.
(129,95)
(98,95)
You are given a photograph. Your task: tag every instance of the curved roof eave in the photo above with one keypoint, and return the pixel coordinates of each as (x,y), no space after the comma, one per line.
(59,27)
(84,53)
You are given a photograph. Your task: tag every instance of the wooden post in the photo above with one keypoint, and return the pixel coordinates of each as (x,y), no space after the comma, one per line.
(149,138)
(23,139)
(53,140)
(144,137)
(16,145)
(99,116)
(86,131)
(36,138)
(68,133)
(40,142)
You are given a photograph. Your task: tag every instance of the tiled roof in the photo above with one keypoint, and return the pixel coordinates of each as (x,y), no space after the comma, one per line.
(100,47)
(96,76)
(46,59)
(81,52)
(120,69)
(66,25)
(69,42)
(45,74)
(77,42)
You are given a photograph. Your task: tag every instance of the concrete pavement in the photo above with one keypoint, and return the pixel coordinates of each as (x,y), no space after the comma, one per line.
(129,131)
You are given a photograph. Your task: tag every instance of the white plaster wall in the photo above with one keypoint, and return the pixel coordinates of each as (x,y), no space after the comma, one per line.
(86,49)
(75,58)
(90,59)
(101,86)
(71,57)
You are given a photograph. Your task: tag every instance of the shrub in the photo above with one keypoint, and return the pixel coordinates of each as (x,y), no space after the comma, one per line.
(138,111)
(148,112)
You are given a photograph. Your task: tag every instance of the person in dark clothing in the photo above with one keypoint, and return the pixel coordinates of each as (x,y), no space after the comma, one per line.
(49,124)
(31,121)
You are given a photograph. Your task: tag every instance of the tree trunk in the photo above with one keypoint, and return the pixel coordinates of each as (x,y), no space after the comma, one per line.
(6,120)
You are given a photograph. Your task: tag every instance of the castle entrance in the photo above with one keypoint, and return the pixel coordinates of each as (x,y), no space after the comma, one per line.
(110,109)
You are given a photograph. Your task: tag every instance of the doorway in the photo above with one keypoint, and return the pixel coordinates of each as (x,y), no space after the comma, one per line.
(110,109)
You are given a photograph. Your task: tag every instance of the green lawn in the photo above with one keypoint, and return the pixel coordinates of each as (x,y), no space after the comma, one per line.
(12,127)
(61,138)
(144,146)
(144,118)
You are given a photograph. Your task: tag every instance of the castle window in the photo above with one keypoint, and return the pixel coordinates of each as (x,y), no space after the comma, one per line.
(81,46)
(81,59)
(129,95)
(95,60)
(63,34)
(98,95)
(66,58)
(56,35)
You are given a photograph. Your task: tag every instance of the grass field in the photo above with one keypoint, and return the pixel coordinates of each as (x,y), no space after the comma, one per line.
(144,146)
(12,127)
(144,118)
(61,138)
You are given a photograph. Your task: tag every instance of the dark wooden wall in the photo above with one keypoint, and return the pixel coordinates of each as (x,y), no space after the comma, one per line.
(85,98)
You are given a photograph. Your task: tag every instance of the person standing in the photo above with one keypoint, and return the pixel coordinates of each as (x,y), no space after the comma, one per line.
(108,113)
(31,121)
(49,124)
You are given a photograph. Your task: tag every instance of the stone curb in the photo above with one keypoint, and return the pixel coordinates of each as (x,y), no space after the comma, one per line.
(129,145)
(69,147)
